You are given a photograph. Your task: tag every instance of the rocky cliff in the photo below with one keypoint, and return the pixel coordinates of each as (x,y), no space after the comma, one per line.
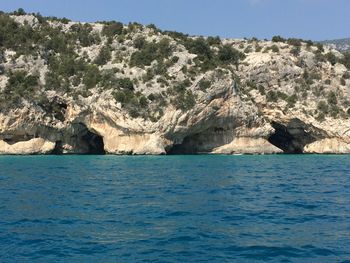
(69,87)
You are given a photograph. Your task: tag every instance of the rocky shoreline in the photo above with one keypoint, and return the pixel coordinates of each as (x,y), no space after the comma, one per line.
(246,96)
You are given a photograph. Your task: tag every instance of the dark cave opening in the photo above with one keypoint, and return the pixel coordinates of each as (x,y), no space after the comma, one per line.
(192,144)
(292,137)
(94,143)
(58,148)
(202,142)
(282,139)
(82,141)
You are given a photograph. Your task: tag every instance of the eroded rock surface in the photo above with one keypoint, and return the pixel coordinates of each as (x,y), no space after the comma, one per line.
(280,97)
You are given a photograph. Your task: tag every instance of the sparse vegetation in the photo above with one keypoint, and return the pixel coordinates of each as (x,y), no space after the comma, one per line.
(278,39)
(145,69)
(149,52)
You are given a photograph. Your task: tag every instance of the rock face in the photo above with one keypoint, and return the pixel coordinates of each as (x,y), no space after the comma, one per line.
(33,146)
(329,145)
(281,97)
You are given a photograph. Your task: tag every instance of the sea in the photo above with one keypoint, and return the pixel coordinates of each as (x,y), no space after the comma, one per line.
(180,208)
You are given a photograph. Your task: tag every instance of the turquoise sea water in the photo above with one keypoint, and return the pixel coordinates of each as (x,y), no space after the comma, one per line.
(285,208)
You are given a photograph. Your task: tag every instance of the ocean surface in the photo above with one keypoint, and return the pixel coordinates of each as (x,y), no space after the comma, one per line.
(277,208)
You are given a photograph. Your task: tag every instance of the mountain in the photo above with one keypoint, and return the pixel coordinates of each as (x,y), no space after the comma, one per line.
(105,87)
(342,45)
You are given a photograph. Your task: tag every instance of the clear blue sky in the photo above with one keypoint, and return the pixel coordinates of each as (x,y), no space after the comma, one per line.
(308,19)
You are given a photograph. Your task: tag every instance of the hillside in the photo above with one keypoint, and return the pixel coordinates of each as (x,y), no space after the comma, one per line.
(105,87)
(342,45)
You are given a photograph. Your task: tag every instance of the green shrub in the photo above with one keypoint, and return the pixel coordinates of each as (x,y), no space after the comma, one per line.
(331,58)
(120,96)
(261,89)
(295,51)
(334,111)
(204,84)
(82,33)
(321,117)
(110,29)
(332,98)
(20,81)
(19,12)
(214,41)
(126,84)
(275,49)
(272,96)
(320,48)
(228,54)
(174,59)
(258,48)
(346,60)
(139,42)
(291,100)
(91,76)
(143,101)
(103,56)
(322,106)
(184,100)
(294,42)
(150,52)
(200,47)
(278,39)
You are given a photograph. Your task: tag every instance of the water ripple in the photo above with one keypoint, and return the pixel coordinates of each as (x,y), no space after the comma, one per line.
(175,209)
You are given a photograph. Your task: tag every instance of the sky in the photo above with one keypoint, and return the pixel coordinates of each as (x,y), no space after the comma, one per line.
(307,19)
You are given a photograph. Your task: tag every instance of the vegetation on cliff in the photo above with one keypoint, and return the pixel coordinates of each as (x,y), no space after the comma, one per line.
(144,69)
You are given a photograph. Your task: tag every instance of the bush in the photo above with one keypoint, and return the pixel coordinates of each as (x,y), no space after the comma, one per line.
(261,89)
(19,80)
(346,60)
(331,58)
(143,101)
(294,42)
(139,42)
(204,84)
(82,33)
(110,29)
(103,56)
(320,117)
(120,96)
(150,52)
(91,76)
(228,54)
(323,107)
(291,100)
(275,49)
(200,47)
(332,98)
(19,12)
(125,84)
(184,101)
(19,85)
(295,51)
(320,48)
(214,41)
(272,96)
(278,39)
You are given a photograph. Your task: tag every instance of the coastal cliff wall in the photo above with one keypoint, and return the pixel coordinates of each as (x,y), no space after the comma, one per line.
(77,88)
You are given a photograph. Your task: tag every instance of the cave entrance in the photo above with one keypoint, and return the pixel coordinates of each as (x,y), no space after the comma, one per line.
(94,142)
(282,139)
(186,147)
(202,142)
(293,137)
